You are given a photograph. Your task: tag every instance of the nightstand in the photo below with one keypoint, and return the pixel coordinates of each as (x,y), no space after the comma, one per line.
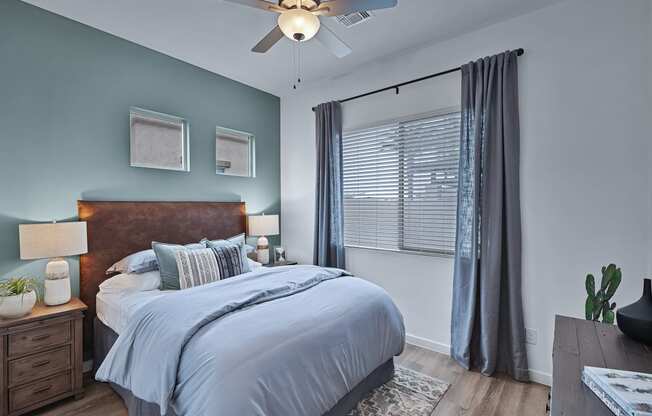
(41,357)
(281,263)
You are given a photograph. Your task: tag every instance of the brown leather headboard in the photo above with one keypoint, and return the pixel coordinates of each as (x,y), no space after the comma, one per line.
(117,229)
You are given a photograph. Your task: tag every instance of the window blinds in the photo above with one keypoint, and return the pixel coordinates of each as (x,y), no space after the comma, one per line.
(400,184)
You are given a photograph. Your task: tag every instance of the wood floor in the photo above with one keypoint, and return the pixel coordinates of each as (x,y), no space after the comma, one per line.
(470,394)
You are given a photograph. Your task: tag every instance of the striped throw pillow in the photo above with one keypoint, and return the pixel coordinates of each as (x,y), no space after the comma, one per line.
(197,267)
(229,260)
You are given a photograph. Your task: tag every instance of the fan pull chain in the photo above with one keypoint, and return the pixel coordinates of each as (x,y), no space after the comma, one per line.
(294,63)
(297,61)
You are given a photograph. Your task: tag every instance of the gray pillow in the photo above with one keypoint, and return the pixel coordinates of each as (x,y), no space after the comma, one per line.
(167,262)
(140,262)
(229,243)
(241,240)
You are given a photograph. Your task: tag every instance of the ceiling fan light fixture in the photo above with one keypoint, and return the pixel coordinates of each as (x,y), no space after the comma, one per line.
(298,24)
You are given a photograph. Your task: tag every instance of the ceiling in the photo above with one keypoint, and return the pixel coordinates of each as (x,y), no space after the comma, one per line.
(218,36)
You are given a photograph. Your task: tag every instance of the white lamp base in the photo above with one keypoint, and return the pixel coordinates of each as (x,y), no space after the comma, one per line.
(57,269)
(57,283)
(262,250)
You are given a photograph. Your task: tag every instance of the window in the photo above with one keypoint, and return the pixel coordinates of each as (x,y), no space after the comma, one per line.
(158,141)
(234,153)
(400,184)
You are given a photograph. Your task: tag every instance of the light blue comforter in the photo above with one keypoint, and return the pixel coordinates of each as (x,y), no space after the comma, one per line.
(285,341)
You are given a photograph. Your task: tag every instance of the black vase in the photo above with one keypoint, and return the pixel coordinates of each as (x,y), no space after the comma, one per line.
(635,320)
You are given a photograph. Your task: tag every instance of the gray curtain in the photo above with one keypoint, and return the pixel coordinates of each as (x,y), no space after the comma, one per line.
(487,330)
(329,211)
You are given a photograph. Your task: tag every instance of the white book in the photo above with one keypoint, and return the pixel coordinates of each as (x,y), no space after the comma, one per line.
(625,393)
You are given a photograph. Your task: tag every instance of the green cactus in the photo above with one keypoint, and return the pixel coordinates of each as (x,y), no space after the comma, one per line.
(597,303)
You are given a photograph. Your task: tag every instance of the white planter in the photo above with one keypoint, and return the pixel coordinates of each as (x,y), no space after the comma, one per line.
(17,305)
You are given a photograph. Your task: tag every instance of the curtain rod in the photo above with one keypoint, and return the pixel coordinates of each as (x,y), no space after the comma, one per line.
(396,87)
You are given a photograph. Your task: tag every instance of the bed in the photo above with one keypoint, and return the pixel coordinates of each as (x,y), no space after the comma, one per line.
(315,346)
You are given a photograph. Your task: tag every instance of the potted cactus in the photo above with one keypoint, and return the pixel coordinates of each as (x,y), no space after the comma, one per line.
(17,297)
(598,303)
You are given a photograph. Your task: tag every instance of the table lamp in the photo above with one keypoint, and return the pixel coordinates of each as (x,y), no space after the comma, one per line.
(262,226)
(54,241)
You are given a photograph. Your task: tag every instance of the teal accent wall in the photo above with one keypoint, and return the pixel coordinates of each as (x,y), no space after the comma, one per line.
(65,93)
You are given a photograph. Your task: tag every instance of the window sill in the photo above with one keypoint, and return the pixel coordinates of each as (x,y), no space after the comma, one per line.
(410,252)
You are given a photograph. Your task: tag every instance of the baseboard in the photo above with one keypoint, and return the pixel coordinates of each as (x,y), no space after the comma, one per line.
(428,344)
(541,377)
(535,375)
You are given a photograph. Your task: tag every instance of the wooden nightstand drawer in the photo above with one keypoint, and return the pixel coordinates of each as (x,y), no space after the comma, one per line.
(27,342)
(37,366)
(41,357)
(39,391)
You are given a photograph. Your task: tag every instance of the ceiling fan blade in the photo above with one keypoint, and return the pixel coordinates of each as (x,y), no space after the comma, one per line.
(269,40)
(341,7)
(334,44)
(258,4)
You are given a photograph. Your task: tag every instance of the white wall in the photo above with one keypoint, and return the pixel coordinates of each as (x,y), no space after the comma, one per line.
(585,150)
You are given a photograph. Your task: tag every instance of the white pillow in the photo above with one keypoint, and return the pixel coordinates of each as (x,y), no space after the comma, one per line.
(134,282)
(140,262)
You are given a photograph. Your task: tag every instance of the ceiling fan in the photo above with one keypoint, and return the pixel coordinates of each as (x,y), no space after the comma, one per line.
(299,20)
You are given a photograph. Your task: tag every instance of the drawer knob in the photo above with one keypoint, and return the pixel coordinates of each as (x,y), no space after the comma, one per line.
(40,363)
(42,389)
(41,337)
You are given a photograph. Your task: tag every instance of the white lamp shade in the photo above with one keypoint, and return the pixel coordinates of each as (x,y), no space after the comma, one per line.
(40,241)
(298,24)
(263,225)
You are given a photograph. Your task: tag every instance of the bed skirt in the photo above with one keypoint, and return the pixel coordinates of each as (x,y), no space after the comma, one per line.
(105,337)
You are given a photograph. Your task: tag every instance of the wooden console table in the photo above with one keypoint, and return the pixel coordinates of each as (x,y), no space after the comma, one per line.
(579,343)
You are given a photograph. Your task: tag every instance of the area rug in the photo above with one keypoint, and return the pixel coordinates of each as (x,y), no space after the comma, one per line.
(407,393)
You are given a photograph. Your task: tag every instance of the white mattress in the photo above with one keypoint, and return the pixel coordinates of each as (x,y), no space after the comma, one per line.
(115,309)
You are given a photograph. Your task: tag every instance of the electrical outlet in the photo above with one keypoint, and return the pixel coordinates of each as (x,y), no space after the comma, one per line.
(531,336)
